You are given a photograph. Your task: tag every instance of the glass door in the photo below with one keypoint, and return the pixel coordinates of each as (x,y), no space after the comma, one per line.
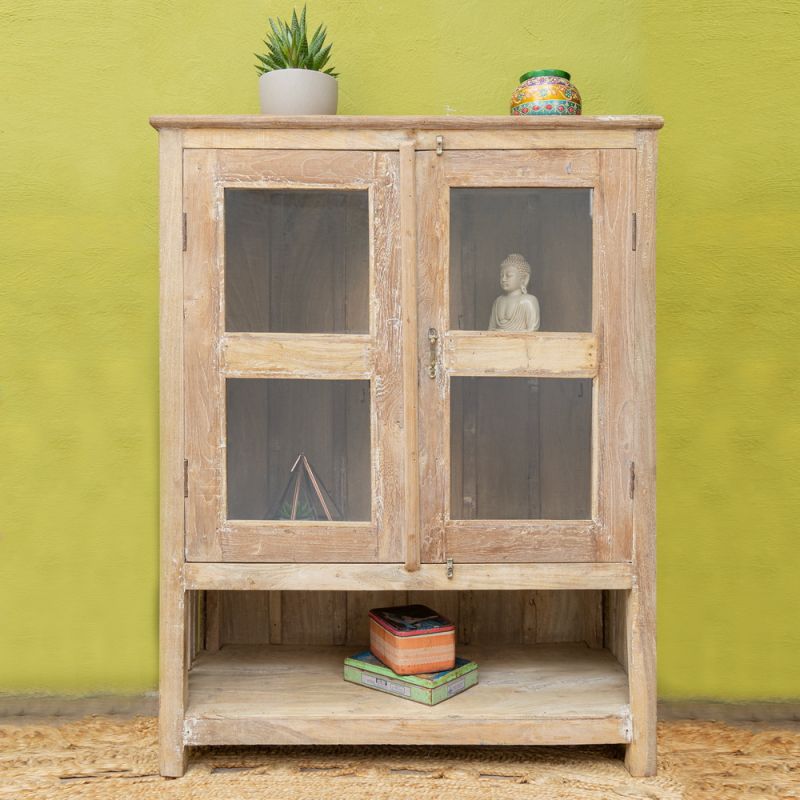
(524,323)
(292,366)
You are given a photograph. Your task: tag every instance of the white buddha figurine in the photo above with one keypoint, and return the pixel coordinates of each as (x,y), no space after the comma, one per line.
(516,310)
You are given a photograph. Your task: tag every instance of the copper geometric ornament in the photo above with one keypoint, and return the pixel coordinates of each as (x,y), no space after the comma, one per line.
(305,496)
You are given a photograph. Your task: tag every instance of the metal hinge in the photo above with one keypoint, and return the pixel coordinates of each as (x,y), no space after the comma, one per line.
(185,477)
(450,568)
(184,232)
(632,481)
(439,145)
(633,232)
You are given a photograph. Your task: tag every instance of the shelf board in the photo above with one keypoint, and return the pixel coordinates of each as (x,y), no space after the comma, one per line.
(531,695)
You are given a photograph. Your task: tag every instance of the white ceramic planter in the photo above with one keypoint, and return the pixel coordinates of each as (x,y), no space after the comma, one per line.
(298,91)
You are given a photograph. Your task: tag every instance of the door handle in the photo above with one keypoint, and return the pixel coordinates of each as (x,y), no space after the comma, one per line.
(433,338)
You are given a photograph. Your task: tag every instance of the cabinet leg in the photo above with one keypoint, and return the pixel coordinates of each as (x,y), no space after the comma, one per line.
(640,753)
(173,763)
(173,684)
(640,757)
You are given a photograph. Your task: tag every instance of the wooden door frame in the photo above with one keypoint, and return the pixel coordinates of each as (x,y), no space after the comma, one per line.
(211,356)
(605,355)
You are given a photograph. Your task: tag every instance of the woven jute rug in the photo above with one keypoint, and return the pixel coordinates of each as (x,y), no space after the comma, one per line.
(111,757)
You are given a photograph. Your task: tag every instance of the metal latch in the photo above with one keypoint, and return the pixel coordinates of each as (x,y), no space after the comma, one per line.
(433,338)
(439,145)
(450,568)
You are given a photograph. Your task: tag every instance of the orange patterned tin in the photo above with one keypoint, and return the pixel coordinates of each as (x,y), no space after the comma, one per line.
(412,639)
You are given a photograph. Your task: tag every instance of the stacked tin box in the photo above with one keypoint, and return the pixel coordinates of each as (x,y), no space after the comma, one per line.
(412,655)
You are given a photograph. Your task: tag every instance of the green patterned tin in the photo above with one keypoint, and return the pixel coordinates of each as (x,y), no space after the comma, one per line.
(429,688)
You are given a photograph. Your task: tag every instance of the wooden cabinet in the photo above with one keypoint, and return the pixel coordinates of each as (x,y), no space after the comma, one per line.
(341,429)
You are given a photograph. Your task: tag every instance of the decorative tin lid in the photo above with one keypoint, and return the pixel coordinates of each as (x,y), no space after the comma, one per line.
(537,73)
(413,620)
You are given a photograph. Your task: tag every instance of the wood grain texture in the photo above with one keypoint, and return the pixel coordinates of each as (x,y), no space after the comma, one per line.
(547,139)
(313,616)
(204,384)
(388,402)
(246,617)
(561,355)
(484,540)
(555,694)
(529,168)
(354,139)
(615,635)
(314,169)
(392,577)
(399,122)
(299,139)
(212,621)
(485,617)
(433,214)
(641,753)
(614,326)
(294,355)
(568,617)
(257,540)
(408,224)
(173,613)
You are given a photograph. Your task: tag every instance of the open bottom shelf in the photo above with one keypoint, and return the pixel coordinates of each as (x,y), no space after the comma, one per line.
(280,694)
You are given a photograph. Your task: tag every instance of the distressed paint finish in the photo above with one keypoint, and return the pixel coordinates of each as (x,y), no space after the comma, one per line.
(211,355)
(408,243)
(555,694)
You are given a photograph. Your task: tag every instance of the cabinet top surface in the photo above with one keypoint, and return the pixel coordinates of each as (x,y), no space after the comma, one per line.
(333,121)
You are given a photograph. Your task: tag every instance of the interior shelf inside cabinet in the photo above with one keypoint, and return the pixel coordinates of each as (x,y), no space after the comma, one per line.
(527,694)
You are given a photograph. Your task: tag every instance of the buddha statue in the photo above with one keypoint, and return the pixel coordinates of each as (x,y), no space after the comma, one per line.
(515,310)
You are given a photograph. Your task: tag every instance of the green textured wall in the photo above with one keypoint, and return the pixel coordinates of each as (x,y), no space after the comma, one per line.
(78,297)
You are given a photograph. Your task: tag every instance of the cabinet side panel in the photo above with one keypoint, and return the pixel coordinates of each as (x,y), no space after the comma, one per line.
(615,637)
(172,654)
(641,753)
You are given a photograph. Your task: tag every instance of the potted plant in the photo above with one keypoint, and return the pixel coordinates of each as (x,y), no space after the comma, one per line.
(293,78)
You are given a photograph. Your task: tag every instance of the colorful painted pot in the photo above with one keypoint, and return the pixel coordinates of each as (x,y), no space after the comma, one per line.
(545,91)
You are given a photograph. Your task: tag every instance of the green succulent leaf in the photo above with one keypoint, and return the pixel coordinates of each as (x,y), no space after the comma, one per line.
(287,46)
(322,58)
(317,39)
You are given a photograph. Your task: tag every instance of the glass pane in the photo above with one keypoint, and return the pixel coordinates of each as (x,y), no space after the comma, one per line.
(296,261)
(298,449)
(547,233)
(520,448)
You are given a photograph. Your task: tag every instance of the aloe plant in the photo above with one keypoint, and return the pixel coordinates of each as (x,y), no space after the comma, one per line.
(288,47)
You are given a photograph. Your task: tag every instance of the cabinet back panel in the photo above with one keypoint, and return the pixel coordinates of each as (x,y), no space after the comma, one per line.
(296,261)
(550,227)
(520,448)
(271,421)
(481,617)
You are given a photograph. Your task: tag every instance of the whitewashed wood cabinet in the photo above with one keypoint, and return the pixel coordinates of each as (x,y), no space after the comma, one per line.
(326,288)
